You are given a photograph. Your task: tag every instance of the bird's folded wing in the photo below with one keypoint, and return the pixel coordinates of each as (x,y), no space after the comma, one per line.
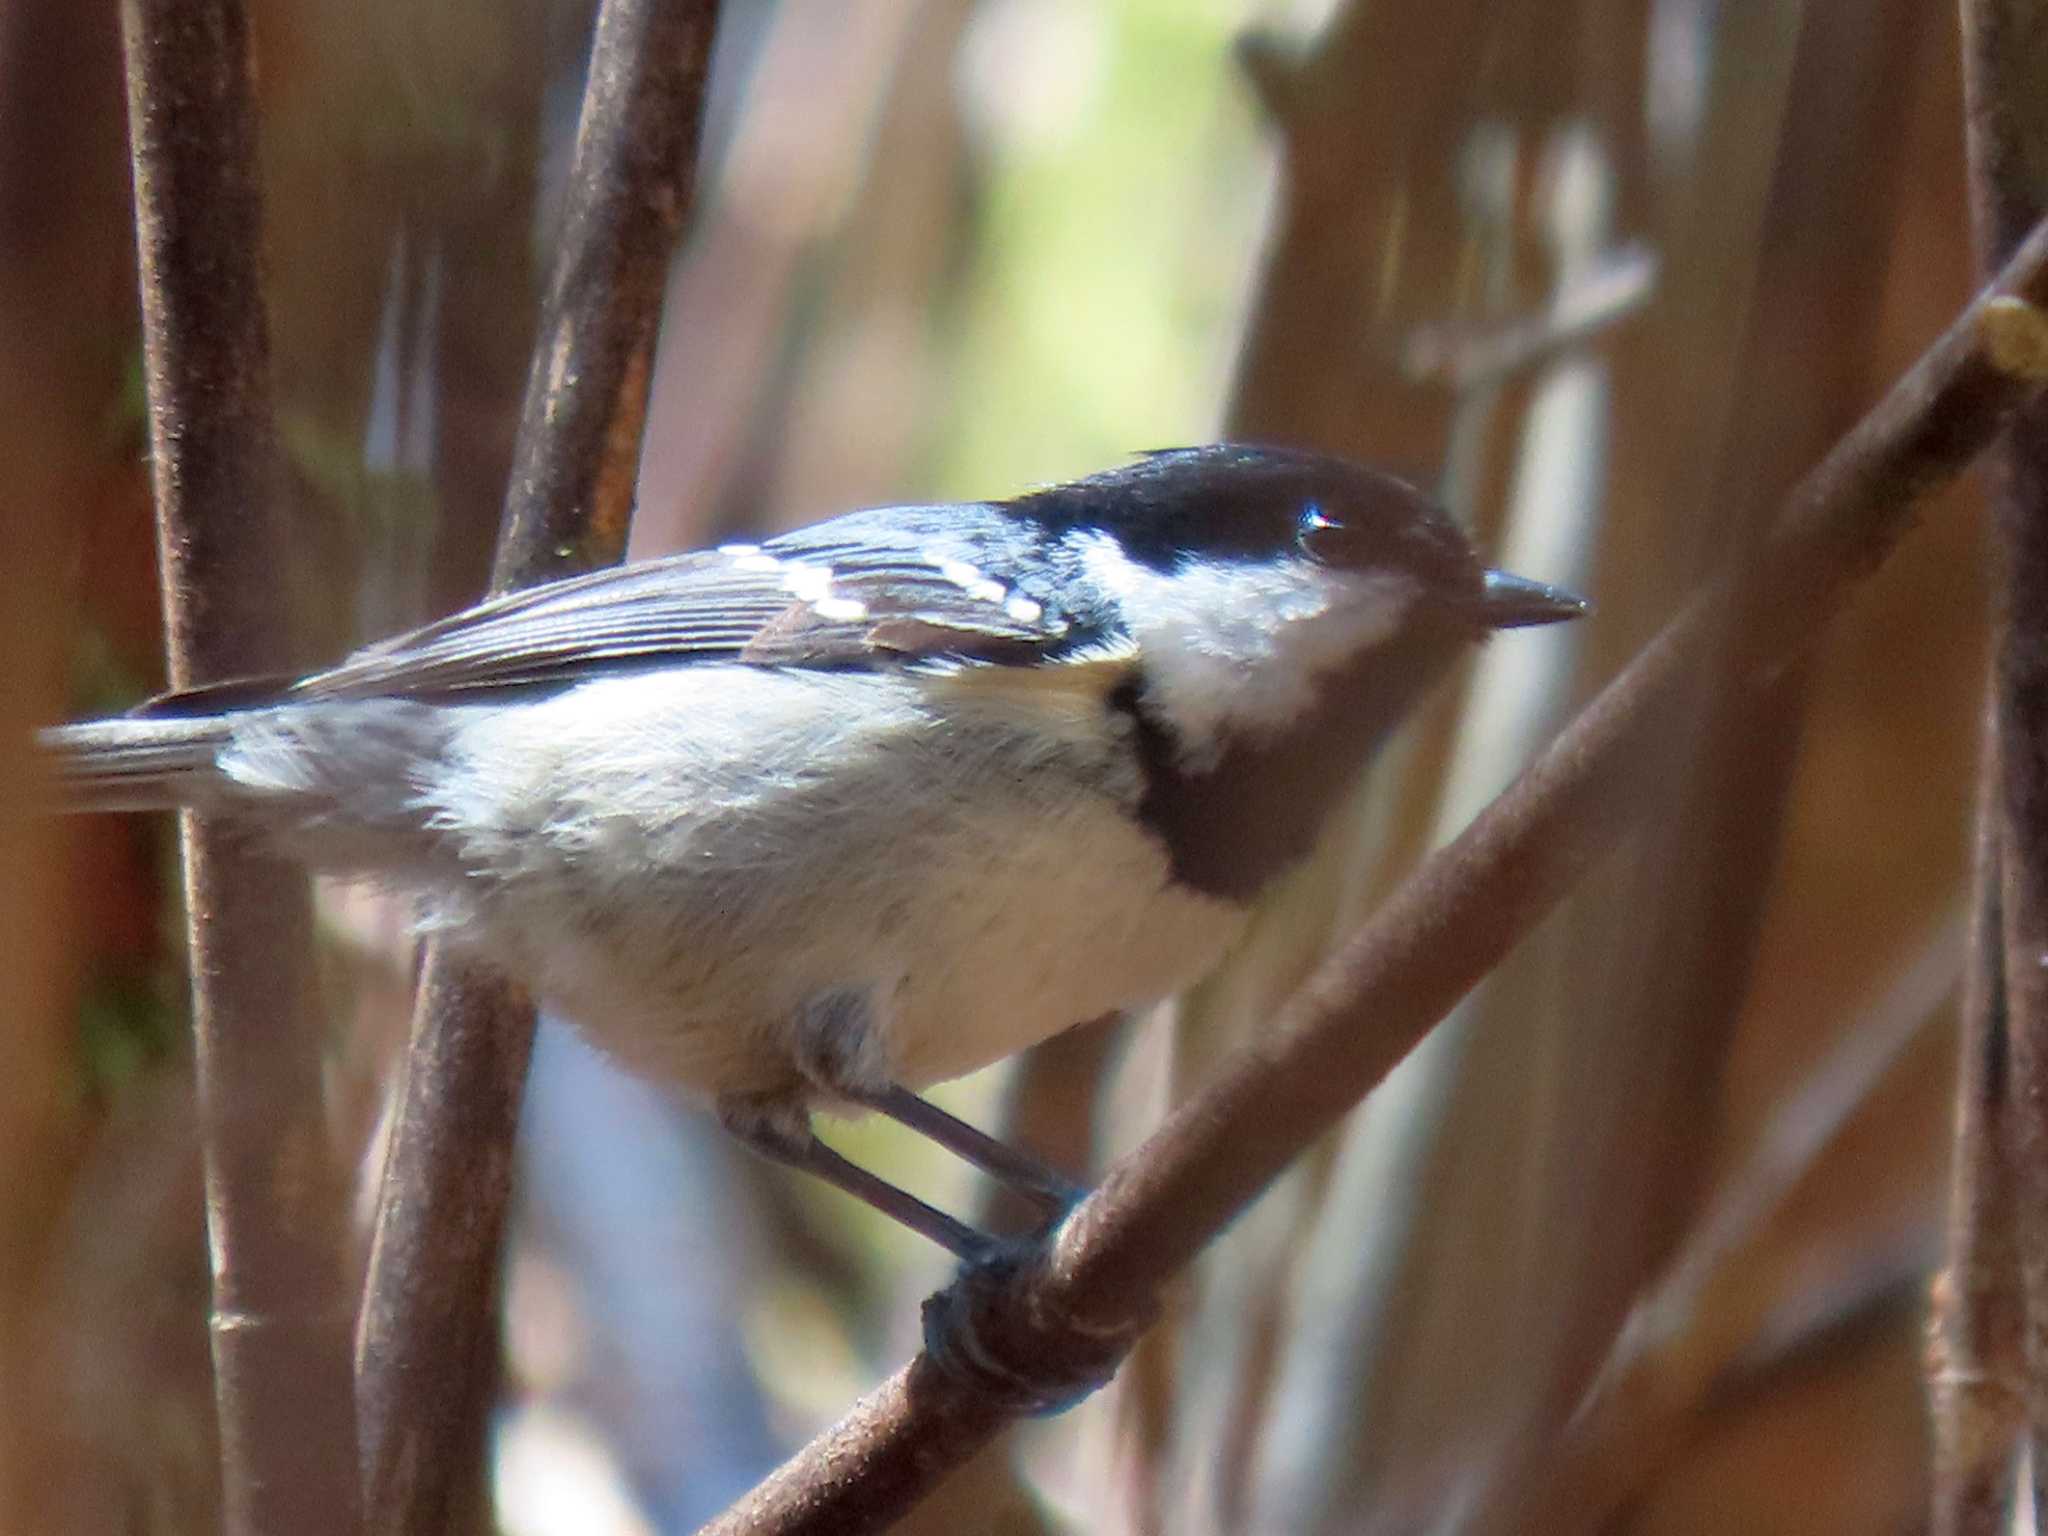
(866,590)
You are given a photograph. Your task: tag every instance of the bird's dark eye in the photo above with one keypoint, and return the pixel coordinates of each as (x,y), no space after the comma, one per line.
(1314,528)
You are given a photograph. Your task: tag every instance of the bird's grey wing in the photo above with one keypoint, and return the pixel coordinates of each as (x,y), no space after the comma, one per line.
(859,591)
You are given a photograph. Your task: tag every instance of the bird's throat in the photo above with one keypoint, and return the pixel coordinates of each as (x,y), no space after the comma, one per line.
(1233,826)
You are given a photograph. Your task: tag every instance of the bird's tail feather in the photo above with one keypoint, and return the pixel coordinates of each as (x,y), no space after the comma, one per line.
(136,764)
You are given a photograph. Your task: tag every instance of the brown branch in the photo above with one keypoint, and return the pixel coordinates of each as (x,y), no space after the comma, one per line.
(2005,51)
(571,497)
(1466,356)
(280,1321)
(426,1353)
(1096,1283)
(1976,1386)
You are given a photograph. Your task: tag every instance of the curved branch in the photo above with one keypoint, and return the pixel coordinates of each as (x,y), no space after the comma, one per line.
(1438,935)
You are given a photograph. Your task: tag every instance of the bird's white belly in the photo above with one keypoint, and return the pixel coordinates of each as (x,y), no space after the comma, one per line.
(682,889)
(1063,931)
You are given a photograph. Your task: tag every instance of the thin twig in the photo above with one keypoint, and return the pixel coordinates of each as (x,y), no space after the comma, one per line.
(1684,1343)
(1463,357)
(1828,1329)
(1097,1282)
(1975,1380)
(281,1314)
(426,1351)
(2005,50)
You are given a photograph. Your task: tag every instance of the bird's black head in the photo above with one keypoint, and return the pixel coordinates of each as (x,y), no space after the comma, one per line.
(1242,502)
(1286,609)
(1239,502)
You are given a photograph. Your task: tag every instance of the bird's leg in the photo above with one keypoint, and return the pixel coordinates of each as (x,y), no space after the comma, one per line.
(1052,1191)
(958,1338)
(780,1135)
(839,1051)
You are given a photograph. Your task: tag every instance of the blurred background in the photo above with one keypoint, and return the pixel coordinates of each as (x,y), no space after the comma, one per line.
(1639,1241)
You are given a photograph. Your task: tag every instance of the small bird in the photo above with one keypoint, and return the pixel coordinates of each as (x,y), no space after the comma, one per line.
(817,822)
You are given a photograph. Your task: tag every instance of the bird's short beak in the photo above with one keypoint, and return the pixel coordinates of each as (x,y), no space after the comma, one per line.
(1515,602)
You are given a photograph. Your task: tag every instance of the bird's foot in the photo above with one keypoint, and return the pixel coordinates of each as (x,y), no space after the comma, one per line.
(992,1331)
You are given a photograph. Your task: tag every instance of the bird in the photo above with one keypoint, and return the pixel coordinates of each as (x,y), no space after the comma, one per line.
(814,823)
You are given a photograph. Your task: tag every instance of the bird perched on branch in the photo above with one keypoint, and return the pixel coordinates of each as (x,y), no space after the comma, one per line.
(816,822)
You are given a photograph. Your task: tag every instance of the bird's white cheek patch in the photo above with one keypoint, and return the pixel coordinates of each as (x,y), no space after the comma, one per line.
(1235,649)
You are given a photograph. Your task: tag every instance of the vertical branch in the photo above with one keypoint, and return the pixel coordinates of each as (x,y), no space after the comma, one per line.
(578,452)
(426,1350)
(1976,1392)
(2005,62)
(280,1311)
